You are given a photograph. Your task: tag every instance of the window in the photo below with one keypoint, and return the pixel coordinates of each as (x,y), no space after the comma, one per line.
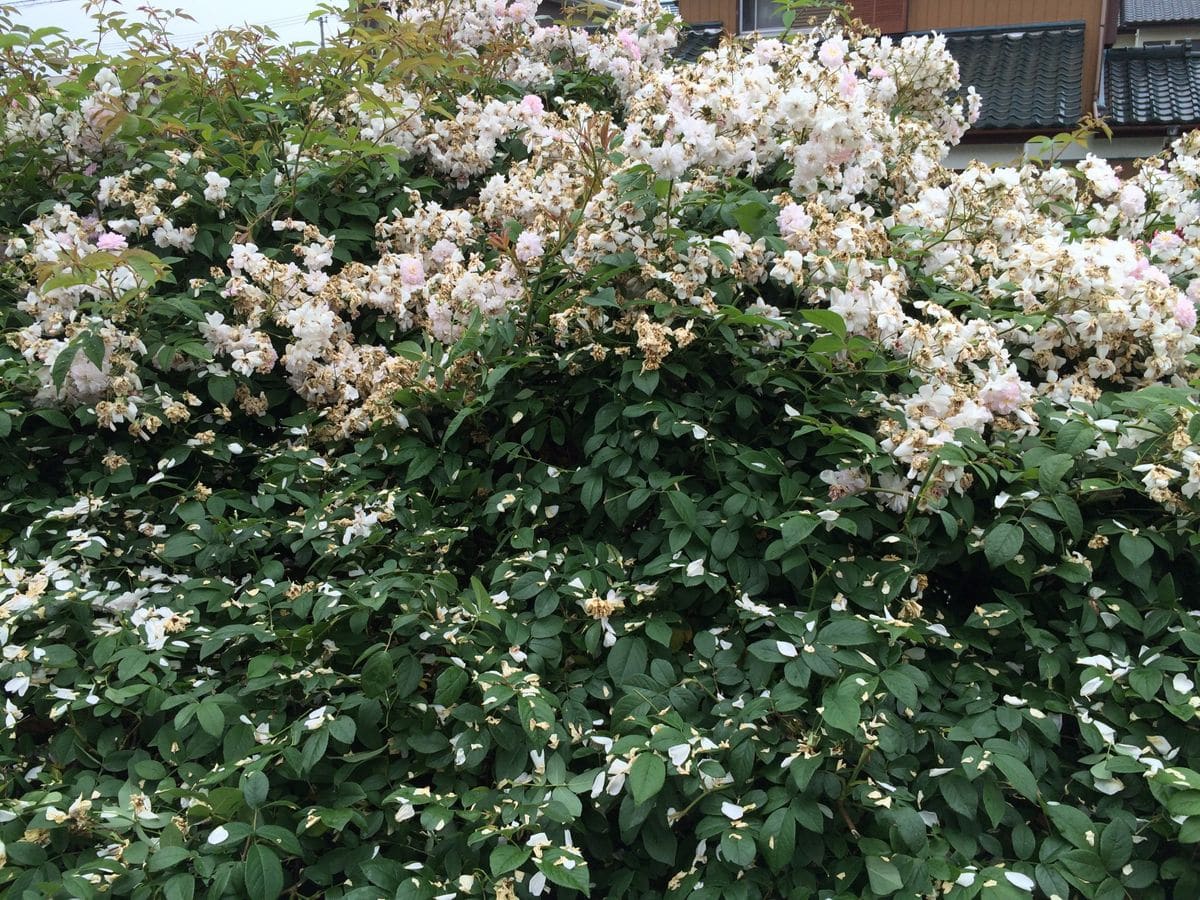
(767,16)
(760,15)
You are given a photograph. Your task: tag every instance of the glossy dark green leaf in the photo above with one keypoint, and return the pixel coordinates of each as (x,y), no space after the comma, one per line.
(262,873)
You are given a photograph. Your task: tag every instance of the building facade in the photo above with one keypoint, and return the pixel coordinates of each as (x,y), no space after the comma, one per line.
(1150,81)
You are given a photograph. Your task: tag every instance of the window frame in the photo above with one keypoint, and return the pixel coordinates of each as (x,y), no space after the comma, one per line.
(744,5)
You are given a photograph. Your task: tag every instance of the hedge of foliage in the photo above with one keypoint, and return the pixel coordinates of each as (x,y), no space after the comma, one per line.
(480,459)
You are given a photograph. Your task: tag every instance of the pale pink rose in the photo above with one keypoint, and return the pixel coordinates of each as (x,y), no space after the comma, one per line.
(627,40)
(412,273)
(793,220)
(878,72)
(443,252)
(1001,398)
(532,105)
(1164,241)
(1132,201)
(529,246)
(842,155)
(112,241)
(831,54)
(1185,313)
(848,85)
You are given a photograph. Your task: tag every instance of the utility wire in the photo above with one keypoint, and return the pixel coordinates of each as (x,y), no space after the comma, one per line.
(191,37)
(272,23)
(29,4)
(186,38)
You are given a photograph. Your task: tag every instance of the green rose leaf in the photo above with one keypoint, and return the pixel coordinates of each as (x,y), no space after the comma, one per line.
(1002,544)
(262,873)
(647,776)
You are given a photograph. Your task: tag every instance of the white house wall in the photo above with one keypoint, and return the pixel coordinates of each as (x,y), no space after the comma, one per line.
(1007,153)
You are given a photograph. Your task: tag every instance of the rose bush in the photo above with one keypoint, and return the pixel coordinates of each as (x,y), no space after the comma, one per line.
(488,459)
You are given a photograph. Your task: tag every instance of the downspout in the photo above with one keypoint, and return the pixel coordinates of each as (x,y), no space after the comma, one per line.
(1098,87)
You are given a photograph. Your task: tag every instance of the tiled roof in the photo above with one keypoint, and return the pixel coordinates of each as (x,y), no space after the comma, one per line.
(696,37)
(1153,85)
(1029,76)
(1157,12)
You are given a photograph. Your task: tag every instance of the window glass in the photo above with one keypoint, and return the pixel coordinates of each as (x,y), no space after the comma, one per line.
(761,15)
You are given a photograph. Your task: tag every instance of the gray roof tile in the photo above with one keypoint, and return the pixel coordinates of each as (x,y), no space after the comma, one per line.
(1029,76)
(1153,85)
(1155,12)
(696,37)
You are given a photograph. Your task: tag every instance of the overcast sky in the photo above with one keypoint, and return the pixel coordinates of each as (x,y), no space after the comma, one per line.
(285,17)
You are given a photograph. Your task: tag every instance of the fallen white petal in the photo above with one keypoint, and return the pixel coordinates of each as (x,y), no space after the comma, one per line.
(1016,879)
(732,810)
